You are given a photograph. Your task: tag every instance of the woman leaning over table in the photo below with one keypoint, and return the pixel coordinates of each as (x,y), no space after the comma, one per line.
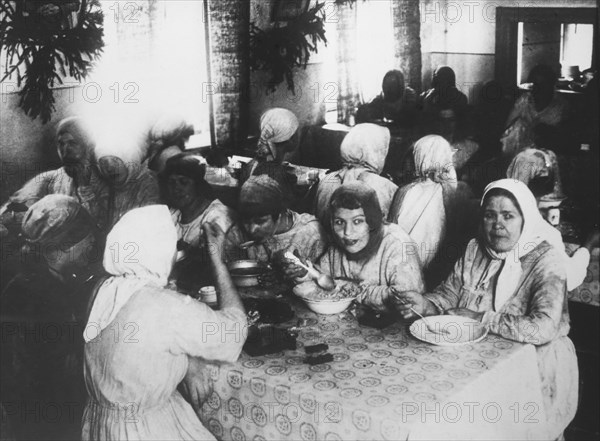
(141,336)
(514,282)
(380,257)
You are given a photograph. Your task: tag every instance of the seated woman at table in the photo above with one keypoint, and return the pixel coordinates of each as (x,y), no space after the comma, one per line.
(444,94)
(278,137)
(137,374)
(539,170)
(363,153)
(397,102)
(514,282)
(193,206)
(539,117)
(424,207)
(272,228)
(166,138)
(378,256)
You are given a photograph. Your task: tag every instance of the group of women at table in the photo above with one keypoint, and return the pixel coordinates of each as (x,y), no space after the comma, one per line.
(511,276)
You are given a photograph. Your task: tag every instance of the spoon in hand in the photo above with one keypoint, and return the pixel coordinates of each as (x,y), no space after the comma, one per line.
(428,325)
(323,280)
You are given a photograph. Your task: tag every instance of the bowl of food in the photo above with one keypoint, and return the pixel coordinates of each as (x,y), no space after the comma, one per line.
(323,301)
(245,273)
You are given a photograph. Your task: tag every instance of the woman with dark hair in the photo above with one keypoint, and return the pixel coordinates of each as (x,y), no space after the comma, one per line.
(514,282)
(379,257)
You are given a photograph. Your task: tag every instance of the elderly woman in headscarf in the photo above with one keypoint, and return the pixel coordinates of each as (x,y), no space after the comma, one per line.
(278,137)
(396,103)
(77,177)
(167,328)
(443,95)
(538,116)
(128,183)
(193,206)
(363,153)
(266,228)
(378,257)
(534,168)
(166,138)
(425,207)
(514,282)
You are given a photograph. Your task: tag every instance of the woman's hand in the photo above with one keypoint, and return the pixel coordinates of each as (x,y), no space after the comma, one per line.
(288,267)
(196,385)
(214,237)
(403,301)
(464,312)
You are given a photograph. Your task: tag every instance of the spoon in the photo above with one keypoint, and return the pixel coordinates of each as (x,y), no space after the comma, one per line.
(248,244)
(428,325)
(323,280)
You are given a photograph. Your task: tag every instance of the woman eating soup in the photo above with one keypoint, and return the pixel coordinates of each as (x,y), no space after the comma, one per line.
(515,283)
(381,258)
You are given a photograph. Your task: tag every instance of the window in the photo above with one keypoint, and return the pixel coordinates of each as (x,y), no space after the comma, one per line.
(154,62)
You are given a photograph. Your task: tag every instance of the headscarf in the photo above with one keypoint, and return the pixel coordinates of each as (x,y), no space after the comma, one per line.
(169,130)
(193,168)
(366,146)
(369,202)
(276,125)
(531,236)
(119,158)
(528,164)
(261,195)
(393,85)
(58,220)
(79,129)
(140,250)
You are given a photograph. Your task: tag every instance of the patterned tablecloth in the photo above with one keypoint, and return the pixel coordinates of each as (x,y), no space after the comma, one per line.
(589,291)
(382,384)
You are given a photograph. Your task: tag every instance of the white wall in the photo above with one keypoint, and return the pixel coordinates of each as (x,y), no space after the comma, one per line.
(462,35)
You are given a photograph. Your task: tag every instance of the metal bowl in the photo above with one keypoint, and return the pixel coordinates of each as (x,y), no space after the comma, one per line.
(245,273)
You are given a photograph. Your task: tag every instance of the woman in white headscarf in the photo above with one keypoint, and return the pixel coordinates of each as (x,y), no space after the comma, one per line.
(423,207)
(140,334)
(514,282)
(528,166)
(363,153)
(278,136)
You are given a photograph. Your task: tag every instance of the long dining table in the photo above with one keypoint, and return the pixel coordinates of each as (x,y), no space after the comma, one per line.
(382,384)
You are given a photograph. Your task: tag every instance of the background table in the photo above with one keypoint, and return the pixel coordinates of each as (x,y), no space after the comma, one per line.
(382,384)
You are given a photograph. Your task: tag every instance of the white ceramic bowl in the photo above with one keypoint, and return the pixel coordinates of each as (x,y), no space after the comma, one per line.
(328,306)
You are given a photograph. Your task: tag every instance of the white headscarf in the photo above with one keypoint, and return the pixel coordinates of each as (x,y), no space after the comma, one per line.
(531,236)
(366,145)
(140,250)
(276,125)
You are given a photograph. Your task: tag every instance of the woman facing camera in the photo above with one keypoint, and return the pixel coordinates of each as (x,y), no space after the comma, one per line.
(381,258)
(515,283)
(140,335)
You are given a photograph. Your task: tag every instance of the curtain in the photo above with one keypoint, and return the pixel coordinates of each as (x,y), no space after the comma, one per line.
(407,38)
(230,75)
(348,92)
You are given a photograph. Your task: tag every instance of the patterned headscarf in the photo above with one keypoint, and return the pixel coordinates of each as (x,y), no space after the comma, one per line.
(276,125)
(261,195)
(366,145)
(58,220)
